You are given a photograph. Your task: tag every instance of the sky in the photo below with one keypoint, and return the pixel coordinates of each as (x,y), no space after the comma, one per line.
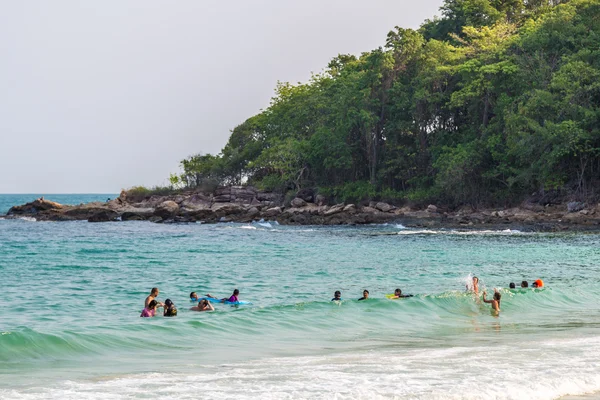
(96,96)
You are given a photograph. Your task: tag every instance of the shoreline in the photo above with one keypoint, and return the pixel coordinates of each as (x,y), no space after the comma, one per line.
(247,204)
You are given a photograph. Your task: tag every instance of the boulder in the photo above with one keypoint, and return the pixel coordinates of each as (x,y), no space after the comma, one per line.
(298,202)
(384,207)
(104,216)
(307,194)
(35,206)
(575,206)
(350,208)
(253,212)
(432,209)
(320,200)
(334,210)
(224,209)
(132,216)
(155,218)
(272,212)
(166,209)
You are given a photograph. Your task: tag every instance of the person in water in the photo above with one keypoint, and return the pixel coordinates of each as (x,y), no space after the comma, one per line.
(169,310)
(193,296)
(495,302)
(234,297)
(475,286)
(538,283)
(365,295)
(153,293)
(203,305)
(337,296)
(524,284)
(150,310)
(512,285)
(398,294)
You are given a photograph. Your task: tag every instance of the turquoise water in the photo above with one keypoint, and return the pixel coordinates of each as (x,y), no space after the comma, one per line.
(73,293)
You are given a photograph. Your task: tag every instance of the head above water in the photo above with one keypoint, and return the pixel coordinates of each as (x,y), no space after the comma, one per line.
(475,280)
(398,292)
(152,304)
(203,303)
(538,283)
(512,285)
(497,296)
(154,292)
(236,292)
(365,292)
(337,294)
(524,284)
(168,303)
(193,296)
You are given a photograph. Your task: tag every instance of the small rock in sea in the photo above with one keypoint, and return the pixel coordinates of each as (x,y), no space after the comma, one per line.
(575,206)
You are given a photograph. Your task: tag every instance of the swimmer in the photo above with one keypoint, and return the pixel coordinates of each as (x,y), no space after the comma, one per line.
(169,310)
(234,297)
(203,305)
(153,293)
(538,283)
(337,296)
(398,294)
(193,296)
(475,286)
(524,284)
(512,285)
(150,310)
(495,302)
(365,295)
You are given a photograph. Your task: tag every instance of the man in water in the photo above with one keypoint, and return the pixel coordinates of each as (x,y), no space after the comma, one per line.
(524,284)
(512,285)
(153,293)
(203,305)
(495,302)
(365,295)
(337,296)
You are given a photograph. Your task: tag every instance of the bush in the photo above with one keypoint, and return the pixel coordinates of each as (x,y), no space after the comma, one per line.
(139,193)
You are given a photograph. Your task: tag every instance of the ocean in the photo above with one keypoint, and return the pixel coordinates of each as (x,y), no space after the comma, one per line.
(73,293)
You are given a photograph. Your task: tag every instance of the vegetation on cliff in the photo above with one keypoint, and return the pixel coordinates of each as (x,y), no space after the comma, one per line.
(491,102)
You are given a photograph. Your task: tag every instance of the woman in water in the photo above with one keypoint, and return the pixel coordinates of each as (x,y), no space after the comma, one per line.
(203,305)
(475,286)
(150,311)
(495,302)
(169,310)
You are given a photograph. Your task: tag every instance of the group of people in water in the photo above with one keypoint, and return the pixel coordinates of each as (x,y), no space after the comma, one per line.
(204,304)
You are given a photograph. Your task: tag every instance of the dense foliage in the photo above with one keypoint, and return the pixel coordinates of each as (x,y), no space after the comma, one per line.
(493,101)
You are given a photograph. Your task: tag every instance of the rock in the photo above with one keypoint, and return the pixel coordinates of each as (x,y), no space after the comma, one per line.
(320,200)
(298,202)
(373,204)
(224,198)
(132,216)
(385,207)
(575,206)
(350,208)
(104,216)
(307,194)
(272,212)
(35,206)
(155,218)
(253,212)
(369,209)
(222,209)
(334,210)
(432,209)
(166,209)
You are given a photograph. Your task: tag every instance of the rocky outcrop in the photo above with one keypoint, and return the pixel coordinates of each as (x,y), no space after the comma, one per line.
(247,204)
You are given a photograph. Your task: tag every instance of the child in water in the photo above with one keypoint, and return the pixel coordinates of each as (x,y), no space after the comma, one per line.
(474,287)
(150,310)
(337,296)
(495,302)
(170,310)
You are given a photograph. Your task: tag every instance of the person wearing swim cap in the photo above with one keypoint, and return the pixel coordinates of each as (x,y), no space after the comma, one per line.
(203,305)
(495,302)
(538,283)
(365,295)
(169,310)
(337,296)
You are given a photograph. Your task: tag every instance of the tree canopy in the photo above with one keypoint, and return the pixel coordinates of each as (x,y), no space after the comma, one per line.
(493,101)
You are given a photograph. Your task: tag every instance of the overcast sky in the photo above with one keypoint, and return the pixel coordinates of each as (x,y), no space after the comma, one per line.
(96,96)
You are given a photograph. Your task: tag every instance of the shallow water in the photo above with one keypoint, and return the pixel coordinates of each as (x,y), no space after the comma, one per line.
(75,290)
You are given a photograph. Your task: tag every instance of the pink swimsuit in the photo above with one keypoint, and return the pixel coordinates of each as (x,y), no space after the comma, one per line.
(148,313)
